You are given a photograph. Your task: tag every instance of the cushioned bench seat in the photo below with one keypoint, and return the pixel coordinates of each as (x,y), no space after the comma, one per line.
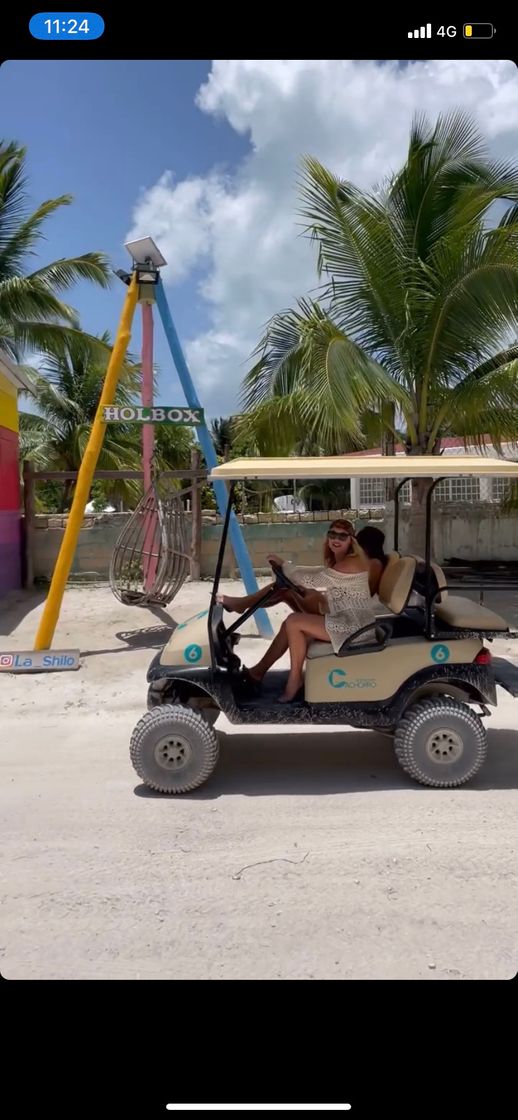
(464,614)
(320,649)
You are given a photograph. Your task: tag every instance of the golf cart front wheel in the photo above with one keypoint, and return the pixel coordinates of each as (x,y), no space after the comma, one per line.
(173,749)
(441,742)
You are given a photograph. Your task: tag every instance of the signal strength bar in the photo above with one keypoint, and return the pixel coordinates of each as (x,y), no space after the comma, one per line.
(421,32)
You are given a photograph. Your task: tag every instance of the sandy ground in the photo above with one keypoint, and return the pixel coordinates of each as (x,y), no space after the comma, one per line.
(308,855)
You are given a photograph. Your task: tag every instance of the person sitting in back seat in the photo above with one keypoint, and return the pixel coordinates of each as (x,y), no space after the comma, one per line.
(372,541)
(423,585)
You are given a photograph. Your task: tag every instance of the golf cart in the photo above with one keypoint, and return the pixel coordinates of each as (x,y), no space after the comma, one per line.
(424,674)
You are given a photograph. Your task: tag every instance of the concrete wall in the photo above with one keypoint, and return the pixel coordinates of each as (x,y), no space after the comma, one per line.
(300,541)
(481,531)
(96,543)
(476,532)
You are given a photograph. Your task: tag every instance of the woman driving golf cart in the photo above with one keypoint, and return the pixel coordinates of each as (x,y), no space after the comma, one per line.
(334,602)
(428,677)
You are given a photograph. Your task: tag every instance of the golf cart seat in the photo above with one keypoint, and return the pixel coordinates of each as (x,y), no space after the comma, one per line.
(464,614)
(392,558)
(396,585)
(459,613)
(393,595)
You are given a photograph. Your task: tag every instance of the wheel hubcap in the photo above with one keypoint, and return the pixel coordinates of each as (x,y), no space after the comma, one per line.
(444,745)
(173,752)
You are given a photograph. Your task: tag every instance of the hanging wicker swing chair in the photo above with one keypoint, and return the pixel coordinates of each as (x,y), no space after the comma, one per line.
(151,560)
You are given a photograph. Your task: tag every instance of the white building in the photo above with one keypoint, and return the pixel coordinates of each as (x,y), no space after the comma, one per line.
(370,493)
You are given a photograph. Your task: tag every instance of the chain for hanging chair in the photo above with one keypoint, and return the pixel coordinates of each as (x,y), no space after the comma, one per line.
(151,561)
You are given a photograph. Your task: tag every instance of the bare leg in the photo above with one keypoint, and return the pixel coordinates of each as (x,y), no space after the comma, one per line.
(316,629)
(293,600)
(301,629)
(274,651)
(238,604)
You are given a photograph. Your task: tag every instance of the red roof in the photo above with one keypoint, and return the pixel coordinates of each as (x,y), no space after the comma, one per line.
(447,441)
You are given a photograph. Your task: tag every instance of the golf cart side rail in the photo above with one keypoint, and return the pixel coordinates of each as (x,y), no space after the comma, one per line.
(219,569)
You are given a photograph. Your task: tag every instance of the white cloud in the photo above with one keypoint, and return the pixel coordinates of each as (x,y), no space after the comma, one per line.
(179,214)
(241,229)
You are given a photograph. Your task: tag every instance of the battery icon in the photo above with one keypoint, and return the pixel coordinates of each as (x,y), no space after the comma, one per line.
(478,30)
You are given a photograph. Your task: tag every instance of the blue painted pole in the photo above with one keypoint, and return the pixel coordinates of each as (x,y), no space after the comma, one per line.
(236,537)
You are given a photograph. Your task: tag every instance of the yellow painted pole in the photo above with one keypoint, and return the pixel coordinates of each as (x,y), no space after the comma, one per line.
(85,476)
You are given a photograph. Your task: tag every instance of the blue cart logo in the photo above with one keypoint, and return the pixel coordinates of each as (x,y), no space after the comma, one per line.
(194,618)
(337,679)
(192,653)
(440,654)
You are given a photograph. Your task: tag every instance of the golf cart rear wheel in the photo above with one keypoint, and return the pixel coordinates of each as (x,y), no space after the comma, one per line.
(441,742)
(173,749)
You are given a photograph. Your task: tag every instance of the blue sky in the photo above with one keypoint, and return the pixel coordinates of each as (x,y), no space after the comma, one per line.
(104,131)
(204,156)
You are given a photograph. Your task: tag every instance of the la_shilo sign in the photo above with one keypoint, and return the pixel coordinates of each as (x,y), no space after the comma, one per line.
(40,661)
(166,414)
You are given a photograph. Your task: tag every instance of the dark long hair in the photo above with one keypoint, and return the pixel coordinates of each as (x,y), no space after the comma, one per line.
(372,541)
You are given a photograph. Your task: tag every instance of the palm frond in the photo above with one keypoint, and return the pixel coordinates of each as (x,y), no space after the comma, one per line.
(32,315)
(61,274)
(51,339)
(486,404)
(17,239)
(26,297)
(356,250)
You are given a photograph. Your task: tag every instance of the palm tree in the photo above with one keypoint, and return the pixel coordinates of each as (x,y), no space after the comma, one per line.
(326,494)
(173,447)
(415,328)
(32,316)
(222,435)
(66,393)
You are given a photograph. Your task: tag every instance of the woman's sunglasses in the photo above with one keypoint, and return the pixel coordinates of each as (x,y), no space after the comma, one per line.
(333,536)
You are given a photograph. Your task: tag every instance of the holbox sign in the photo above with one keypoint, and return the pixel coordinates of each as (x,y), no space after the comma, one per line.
(166,414)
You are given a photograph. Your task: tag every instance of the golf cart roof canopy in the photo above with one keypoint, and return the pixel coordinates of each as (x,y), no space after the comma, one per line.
(367,466)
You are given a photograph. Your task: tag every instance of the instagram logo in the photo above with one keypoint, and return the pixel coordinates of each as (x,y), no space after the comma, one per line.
(6,660)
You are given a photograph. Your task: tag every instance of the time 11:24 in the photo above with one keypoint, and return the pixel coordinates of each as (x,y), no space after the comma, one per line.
(72,26)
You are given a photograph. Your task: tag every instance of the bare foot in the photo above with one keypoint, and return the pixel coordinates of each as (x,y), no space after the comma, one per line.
(251,681)
(291,692)
(229,602)
(254,673)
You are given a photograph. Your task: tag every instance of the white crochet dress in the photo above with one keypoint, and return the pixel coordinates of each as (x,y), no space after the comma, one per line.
(348,595)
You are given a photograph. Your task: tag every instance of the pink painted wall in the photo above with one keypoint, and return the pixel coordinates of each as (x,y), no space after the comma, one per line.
(10,500)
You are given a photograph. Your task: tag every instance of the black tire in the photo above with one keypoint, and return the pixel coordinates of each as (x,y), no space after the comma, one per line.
(440,742)
(173,749)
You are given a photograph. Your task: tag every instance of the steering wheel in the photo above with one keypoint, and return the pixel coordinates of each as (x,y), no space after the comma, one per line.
(282,581)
